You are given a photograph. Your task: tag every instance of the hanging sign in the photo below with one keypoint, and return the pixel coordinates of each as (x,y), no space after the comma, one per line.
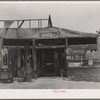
(49,35)
(4,51)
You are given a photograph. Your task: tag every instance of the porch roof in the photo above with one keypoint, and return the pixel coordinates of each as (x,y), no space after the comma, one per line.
(26,33)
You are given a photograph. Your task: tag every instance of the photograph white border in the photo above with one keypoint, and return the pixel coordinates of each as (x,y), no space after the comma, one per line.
(49,93)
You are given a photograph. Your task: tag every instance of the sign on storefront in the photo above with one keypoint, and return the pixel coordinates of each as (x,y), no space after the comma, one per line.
(4,51)
(75,64)
(90,62)
(74,51)
(49,35)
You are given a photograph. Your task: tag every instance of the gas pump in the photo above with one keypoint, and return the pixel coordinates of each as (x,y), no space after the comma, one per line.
(4,69)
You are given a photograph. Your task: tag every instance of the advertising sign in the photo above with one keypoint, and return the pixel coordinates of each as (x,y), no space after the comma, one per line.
(4,51)
(49,35)
(74,51)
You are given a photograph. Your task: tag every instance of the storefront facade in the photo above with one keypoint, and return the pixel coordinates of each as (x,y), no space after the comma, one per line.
(42,56)
(48,51)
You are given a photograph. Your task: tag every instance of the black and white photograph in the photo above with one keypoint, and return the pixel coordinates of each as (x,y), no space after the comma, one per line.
(50,45)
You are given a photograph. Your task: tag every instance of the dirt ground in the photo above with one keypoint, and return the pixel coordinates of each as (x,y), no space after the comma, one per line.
(51,83)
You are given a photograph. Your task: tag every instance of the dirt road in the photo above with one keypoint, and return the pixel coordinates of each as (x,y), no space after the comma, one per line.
(51,83)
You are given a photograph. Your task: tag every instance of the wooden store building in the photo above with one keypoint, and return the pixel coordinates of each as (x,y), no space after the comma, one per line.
(42,51)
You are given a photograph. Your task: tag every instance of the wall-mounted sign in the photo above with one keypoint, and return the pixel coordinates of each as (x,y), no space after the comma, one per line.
(4,51)
(49,35)
(75,64)
(75,51)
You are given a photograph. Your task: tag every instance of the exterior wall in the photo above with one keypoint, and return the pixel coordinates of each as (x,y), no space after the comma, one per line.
(95,56)
(76,54)
(84,74)
(76,72)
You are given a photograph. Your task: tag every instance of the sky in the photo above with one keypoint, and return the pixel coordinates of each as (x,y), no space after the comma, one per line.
(84,16)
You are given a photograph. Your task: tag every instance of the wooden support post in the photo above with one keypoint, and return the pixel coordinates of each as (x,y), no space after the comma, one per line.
(38,24)
(27,67)
(10,63)
(43,63)
(62,68)
(38,63)
(61,59)
(17,24)
(98,43)
(34,61)
(1,57)
(18,49)
(56,63)
(29,24)
(65,58)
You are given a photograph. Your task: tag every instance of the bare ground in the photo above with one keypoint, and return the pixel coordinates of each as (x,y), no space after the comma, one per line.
(51,83)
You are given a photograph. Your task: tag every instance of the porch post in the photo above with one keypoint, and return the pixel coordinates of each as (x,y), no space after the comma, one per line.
(1,58)
(56,63)
(27,67)
(19,59)
(34,60)
(66,64)
(98,43)
(43,63)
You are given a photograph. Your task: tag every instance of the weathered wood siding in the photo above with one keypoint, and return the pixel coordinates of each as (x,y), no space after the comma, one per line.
(84,74)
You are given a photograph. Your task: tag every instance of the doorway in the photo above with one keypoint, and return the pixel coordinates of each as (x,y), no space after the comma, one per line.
(49,62)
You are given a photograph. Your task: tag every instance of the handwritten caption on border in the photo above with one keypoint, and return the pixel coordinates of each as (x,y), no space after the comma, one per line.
(59,91)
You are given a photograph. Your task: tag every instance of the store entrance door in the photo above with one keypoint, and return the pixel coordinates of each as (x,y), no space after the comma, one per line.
(49,62)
